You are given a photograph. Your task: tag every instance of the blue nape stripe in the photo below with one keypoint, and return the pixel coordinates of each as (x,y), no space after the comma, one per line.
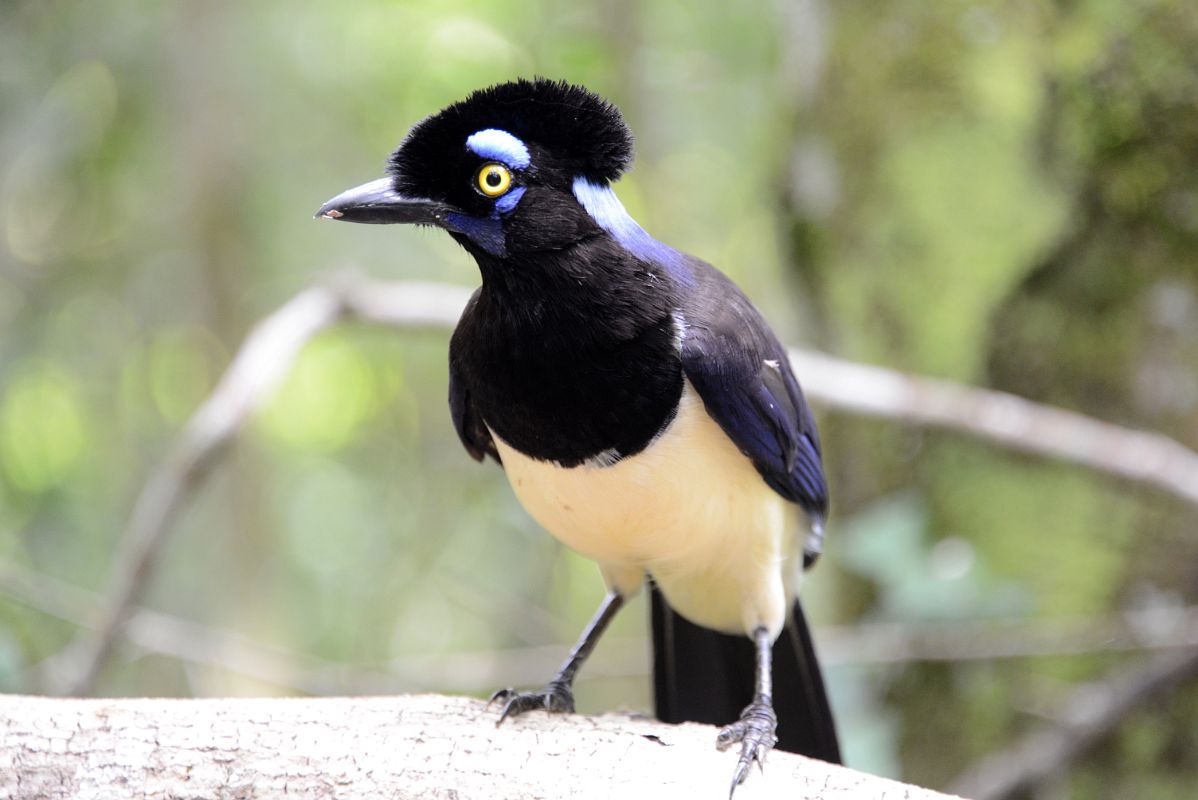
(606,209)
(499,145)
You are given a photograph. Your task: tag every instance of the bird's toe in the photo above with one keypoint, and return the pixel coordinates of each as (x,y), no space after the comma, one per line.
(556,698)
(756,732)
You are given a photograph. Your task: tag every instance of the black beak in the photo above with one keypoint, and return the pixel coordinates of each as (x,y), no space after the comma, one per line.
(378,203)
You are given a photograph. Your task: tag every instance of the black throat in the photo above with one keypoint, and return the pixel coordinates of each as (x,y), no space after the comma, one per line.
(571,354)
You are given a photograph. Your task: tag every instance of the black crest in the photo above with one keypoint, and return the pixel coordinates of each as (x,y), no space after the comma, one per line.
(569,129)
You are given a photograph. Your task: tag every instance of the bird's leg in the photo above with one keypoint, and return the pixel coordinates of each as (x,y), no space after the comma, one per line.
(755,729)
(558,695)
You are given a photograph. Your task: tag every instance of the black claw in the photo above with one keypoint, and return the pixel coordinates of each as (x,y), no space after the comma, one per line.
(755,730)
(556,698)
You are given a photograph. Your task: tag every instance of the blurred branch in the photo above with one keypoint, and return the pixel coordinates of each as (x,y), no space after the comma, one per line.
(257,369)
(1091,713)
(619,657)
(167,635)
(274,343)
(1003,419)
(1165,628)
(196,643)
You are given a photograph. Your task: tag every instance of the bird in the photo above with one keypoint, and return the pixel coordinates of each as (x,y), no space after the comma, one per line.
(643,410)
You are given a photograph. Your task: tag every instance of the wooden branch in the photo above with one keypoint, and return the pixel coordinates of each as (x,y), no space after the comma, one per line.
(424,746)
(1003,419)
(273,344)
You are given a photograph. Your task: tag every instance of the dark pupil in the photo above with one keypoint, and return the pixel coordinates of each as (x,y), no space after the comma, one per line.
(494,179)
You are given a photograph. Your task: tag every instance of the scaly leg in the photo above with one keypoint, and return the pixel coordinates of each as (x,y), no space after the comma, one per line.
(558,695)
(756,728)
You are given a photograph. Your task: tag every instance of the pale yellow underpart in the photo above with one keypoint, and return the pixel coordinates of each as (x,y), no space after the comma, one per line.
(690,510)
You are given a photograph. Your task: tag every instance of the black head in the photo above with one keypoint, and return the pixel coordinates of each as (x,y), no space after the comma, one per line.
(506,170)
(565,130)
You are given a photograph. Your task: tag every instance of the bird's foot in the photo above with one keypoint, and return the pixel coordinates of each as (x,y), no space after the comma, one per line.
(755,730)
(556,698)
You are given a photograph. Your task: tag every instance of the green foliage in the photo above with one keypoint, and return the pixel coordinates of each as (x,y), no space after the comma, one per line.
(330,395)
(42,428)
(996,193)
(1013,203)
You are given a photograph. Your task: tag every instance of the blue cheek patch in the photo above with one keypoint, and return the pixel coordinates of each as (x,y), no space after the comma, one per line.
(486,232)
(498,145)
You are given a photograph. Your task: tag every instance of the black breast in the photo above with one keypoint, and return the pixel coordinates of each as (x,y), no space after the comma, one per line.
(585,367)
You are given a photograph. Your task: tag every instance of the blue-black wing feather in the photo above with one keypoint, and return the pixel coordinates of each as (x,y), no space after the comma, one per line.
(742,373)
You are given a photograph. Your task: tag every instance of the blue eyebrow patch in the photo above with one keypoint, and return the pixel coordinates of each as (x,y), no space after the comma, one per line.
(500,146)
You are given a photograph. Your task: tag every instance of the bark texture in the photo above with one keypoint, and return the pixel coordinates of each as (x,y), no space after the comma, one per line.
(424,746)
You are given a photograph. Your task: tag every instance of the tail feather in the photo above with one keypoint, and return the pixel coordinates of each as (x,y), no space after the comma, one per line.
(700,675)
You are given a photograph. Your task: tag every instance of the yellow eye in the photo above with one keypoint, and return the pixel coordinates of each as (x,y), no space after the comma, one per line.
(493,180)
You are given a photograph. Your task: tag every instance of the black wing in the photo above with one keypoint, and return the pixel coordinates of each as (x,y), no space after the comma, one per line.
(475,436)
(741,371)
(466,421)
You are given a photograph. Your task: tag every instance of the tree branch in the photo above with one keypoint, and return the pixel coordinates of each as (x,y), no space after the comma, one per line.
(255,372)
(1003,419)
(1091,713)
(414,746)
(274,343)
(1165,628)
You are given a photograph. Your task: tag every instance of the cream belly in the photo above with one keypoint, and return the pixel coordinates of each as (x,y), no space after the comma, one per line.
(690,510)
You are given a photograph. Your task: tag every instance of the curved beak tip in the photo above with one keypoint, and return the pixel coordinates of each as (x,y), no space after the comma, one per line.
(379,203)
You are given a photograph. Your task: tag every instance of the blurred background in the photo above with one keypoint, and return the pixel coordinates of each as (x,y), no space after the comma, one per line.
(998,194)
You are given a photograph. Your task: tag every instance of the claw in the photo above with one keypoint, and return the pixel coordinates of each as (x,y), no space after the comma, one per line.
(755,730)
(556,698)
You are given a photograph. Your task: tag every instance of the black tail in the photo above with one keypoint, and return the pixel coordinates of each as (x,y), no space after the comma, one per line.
(700,675)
